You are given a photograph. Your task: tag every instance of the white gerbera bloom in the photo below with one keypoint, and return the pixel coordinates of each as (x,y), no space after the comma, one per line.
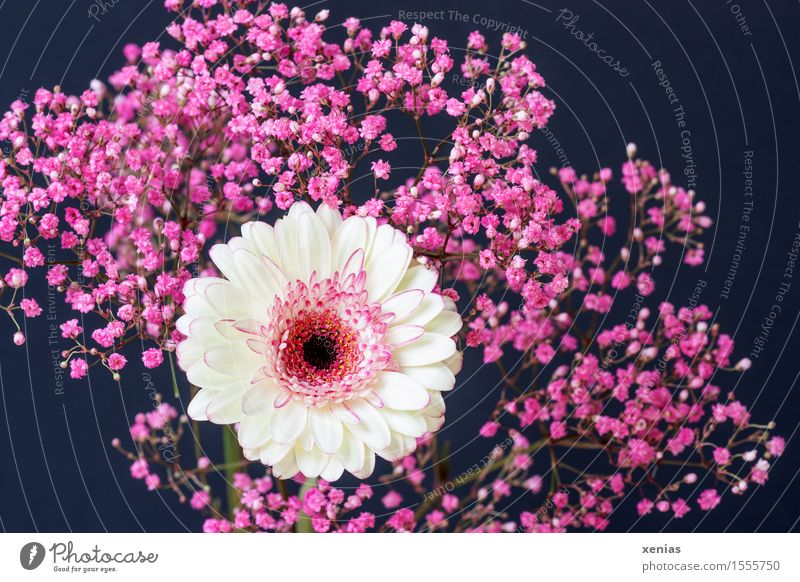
(322,341)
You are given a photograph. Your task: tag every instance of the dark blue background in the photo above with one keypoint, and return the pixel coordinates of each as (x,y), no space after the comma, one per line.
(740,92)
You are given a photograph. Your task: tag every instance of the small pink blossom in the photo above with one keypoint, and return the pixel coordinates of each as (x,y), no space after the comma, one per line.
(152,481)
(708,499)
(200,499)
(139,469)
(152,358)
(117,361)
(391,500)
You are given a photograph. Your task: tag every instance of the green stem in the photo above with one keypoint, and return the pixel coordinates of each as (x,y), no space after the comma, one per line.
(284,490)
(232,453)
(174,377)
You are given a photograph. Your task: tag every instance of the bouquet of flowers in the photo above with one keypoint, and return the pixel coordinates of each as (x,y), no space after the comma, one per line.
(231,209)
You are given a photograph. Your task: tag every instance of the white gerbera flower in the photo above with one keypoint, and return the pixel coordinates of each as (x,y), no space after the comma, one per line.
(322,341)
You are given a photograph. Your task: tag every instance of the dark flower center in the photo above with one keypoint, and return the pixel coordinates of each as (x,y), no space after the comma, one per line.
(320,351)
(319,348)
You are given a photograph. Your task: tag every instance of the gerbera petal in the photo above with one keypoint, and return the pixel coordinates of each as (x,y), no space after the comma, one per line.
(199,404)
(428,349)
(198,286)
(247,326)
(286,239)
(298,209)
(344,413)
(198,306)
(371,428)
(400,392)
(385,237)
(333,470)
(189,353)
(258,346)
(403,303)
(385,270)
(230,301)
(404,423)
(419,277)
(353,266)
(222,255)
(250,454)
(289,421)
(260,397)
(436,407)
(330,217)
(313,247)
(348,238)
(201,375)
(399,447)
(455,362)
(287,467)
(183,322)
(312,462)
(446,323)
(351,453)
(403,334)
(434,376)
(305,440)
(263,237)
(261,277)
(254,430)
(367,467)
(227,331)
(226,406)
(326,428)
(431,306)
(241,243)
(433,423)
(272,453)
(232,359)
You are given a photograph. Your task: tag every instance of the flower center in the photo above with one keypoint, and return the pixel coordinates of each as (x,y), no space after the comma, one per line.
(327,340)
(320,348)
(320,351)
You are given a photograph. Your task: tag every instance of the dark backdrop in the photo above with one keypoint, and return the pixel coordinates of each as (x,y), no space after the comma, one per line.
(731,66)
